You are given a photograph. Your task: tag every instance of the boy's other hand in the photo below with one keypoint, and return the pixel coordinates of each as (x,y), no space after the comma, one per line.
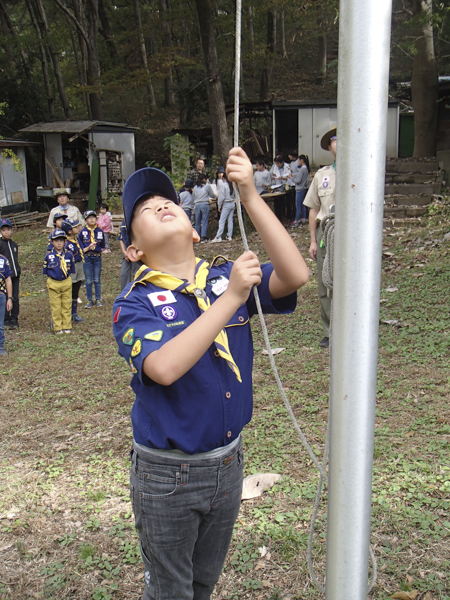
(313,249)
(239,168)
(246,273)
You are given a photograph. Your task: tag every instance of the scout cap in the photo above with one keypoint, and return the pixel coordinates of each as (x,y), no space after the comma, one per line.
(145,182)
(57,216)
(221,170)
(61,192)
(188,183)
(325,141)
(5,223)
(67,225)
(90,213)
(73,222)
(57,233)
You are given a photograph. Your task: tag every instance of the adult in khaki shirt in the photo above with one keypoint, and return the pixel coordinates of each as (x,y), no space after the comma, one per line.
(64,208)
(319,199)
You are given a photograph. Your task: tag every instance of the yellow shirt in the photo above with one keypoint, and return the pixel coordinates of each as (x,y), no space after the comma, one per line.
(321,192)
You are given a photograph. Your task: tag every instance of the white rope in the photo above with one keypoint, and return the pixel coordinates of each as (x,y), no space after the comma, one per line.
(320,467)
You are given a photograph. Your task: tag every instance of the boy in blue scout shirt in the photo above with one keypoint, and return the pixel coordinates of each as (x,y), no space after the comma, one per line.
(92,242)
(58,220)
(6,301)
(183,328)
(9,249)
(58,265)
(71,227)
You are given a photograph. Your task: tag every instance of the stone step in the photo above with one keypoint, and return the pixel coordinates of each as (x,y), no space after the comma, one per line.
(402,200)
(414,177)
(400,212)
(398,166)
(407,189)
(392,222)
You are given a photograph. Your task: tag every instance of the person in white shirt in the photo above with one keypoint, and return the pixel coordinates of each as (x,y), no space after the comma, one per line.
(279,174)
(261,177)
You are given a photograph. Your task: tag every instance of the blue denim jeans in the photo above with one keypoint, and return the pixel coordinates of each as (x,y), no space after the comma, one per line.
(301,211)
(92,270)
(185,510)
(201,219)
(226,216)
(188,211)
(3,300)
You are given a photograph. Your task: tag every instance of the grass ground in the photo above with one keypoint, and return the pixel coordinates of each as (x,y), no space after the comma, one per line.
(66,528)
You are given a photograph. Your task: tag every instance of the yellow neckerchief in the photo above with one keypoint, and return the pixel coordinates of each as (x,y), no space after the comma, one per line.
(93,240)
(169,282)
(75,241)
(62,262)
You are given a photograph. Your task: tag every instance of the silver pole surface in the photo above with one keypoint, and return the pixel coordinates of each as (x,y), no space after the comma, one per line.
(364,46)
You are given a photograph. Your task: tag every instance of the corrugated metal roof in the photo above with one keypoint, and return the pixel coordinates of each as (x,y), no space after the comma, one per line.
(72,126)
(17,143)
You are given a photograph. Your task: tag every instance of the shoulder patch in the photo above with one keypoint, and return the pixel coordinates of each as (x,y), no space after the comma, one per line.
(132,367)
(128,337)
(136,349)
(116,314)
(154,336)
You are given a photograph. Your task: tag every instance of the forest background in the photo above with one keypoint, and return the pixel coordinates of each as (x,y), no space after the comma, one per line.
(163,64)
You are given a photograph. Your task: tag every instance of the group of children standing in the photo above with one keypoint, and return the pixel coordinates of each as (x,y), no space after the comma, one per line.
(73,257)
(196,198)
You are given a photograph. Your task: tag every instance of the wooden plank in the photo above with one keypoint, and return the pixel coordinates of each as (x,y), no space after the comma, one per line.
(17,197)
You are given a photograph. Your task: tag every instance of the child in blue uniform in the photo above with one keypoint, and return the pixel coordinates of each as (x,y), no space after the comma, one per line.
(58,265)
(6,301)
(58,220)
(92,242)
(71,228)
(183,328)
(9,248)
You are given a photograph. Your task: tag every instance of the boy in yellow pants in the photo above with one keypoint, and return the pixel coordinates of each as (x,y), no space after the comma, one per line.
(58,265)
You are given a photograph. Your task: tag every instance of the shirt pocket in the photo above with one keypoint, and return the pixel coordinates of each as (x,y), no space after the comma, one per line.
(239,318)
(324,192)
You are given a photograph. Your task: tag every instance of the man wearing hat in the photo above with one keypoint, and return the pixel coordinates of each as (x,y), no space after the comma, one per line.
(319,199)
(71,212)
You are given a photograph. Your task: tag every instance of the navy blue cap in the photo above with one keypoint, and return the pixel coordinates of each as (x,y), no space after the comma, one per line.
(73,222)
(57,233)
(145,182)
(90,213)
(5,223)
(59,216)
(221,170)
(67,225)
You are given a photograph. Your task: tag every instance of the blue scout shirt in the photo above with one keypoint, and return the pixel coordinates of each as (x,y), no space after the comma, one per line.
(84,238)
(207,407)
(73,248)
(5,272)
(52,265)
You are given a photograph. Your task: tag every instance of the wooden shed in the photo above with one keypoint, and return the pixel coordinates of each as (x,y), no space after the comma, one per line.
(91,158)
(13,175)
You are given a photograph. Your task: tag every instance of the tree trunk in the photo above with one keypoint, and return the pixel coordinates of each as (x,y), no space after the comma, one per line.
(213,83)
(424,83)
(10,31)
(264,90)
(322,52)
(150,90)
(283,50)
(80,68)
(169,98)
(93,63)
(47,85)
(55,60)
(79,13)
(106,29)
(250,30)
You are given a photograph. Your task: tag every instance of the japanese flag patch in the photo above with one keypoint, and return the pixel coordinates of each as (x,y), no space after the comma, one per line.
(162,297)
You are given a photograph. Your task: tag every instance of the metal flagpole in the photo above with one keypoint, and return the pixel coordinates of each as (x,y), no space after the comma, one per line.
(364,46)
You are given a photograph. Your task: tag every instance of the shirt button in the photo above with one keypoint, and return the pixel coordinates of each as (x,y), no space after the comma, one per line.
(241,319)
(216,353)
(228,395)
(228,434)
